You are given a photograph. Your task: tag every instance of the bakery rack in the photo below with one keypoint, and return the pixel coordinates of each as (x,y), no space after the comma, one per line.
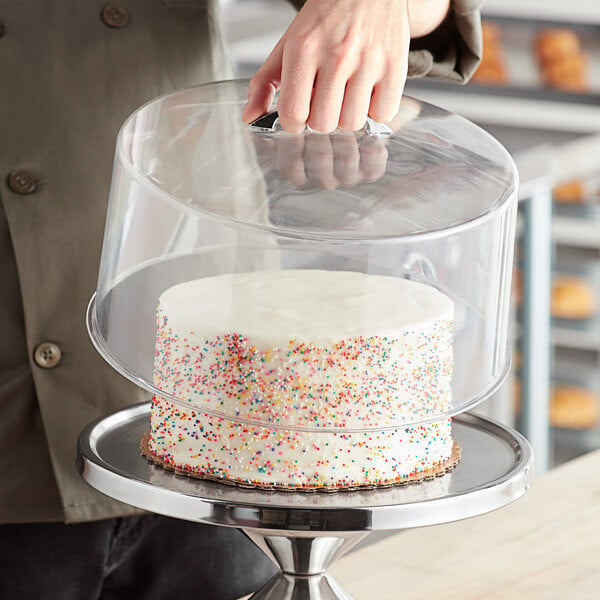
(554,136)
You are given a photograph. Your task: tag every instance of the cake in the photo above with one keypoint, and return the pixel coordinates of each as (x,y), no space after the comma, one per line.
(303,380)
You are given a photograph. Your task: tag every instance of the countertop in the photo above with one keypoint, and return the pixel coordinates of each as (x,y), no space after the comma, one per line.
(545,545)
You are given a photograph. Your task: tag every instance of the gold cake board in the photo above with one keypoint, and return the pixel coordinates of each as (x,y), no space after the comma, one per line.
(427,475)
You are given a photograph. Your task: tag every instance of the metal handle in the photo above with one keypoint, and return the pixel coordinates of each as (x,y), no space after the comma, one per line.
(269,121)
(266,122)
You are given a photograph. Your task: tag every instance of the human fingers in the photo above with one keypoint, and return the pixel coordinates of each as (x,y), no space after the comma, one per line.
(357,99)
(373,159)
(289,162)
(262,86)
(319,161)
(387,91)
(327,98)
(346,158)
(298,71)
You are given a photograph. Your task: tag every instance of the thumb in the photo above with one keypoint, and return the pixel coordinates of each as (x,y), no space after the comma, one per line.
(262,87)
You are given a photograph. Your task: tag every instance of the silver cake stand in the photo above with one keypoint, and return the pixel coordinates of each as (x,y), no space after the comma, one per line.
(305,532)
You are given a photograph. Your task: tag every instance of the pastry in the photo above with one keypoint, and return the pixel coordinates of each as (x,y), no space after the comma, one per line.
(572,298)
(574,407)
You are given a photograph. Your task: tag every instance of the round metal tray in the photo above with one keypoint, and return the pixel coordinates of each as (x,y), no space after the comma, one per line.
(305,532)
(495,469)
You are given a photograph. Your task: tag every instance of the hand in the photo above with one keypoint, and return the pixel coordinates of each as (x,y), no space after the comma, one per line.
(338,62)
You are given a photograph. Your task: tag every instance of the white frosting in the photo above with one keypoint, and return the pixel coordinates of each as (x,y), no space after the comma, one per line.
(309,349)
(313,305)
(264,456)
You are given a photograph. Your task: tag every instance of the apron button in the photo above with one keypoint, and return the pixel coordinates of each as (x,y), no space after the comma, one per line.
(47,355)
(115,16)
(22,182)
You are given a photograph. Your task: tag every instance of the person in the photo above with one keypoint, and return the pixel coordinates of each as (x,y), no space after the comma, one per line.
(70,74)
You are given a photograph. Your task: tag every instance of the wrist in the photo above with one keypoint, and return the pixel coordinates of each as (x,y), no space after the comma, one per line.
(424,16)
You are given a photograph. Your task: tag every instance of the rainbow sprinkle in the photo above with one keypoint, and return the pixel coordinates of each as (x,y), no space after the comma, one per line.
(363,383)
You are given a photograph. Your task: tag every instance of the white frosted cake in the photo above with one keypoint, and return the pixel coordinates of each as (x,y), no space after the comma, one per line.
(312,378)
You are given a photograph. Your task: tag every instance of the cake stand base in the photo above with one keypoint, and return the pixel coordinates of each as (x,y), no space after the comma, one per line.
(304,533)
(296,587)
(303,559)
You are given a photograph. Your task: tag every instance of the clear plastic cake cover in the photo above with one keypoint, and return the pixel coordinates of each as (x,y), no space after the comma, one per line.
(349,280)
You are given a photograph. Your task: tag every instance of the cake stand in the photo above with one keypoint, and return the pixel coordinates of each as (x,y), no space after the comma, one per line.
(305,532)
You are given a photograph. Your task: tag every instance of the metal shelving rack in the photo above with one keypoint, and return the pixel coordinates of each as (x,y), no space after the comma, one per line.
(570,126)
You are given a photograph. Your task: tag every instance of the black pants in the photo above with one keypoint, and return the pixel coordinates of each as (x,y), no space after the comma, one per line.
(148,557)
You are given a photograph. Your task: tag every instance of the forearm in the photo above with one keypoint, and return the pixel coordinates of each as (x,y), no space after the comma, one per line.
(423,15)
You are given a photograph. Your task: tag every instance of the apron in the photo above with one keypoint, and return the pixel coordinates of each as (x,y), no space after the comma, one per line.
(71,72)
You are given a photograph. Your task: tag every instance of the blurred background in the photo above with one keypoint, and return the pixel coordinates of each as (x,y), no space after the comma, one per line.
(538,91)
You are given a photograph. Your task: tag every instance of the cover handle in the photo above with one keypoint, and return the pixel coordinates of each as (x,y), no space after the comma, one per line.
(269,121)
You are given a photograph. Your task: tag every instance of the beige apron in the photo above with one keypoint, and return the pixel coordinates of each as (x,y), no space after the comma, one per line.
(71,71)
(70,75)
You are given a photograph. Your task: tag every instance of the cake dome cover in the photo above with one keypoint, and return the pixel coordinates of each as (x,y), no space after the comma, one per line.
(197,194)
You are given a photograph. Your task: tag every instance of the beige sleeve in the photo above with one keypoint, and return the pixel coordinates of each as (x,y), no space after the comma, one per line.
(453,50)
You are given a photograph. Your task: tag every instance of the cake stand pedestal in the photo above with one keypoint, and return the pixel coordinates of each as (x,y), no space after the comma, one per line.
(305,532)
